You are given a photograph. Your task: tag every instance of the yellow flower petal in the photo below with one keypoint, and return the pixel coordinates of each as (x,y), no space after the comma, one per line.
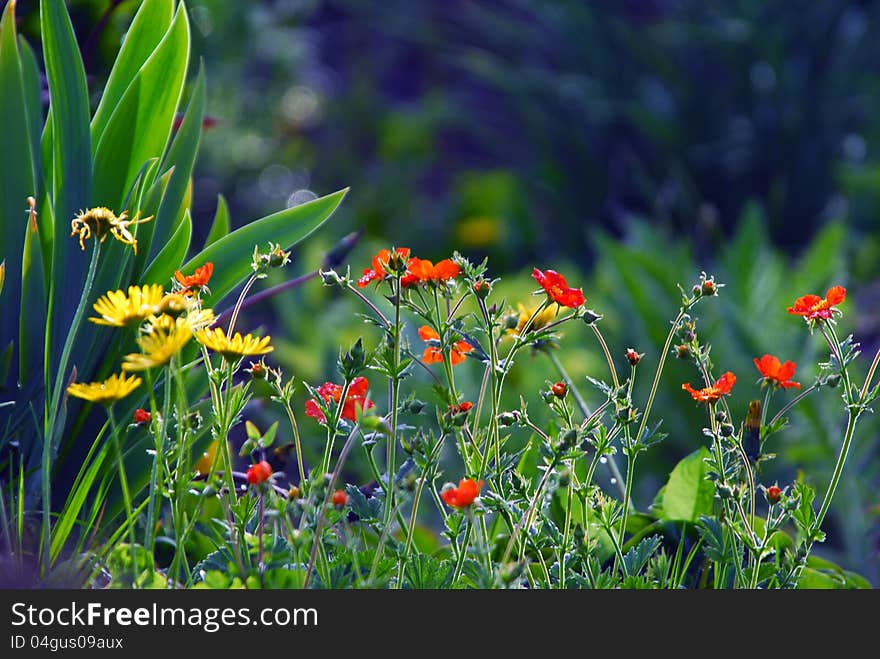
(109,391)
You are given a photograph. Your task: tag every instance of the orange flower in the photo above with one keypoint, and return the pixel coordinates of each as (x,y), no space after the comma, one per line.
(380,262)
(721,388)
(422,271)
(259,473)
(434,355)
(340,498)
(463,495)
(558,289)
(813,307)
(356,398)
(775,373)
(198,279)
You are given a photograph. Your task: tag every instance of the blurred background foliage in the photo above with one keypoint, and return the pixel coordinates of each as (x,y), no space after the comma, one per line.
(628,143)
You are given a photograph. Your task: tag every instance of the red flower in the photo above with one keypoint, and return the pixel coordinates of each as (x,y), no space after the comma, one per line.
(422,271)
(775,373)
(721,388)
(380,262)
(558,289)
(434,355)
(259,473)
(461,408)
(774,492)
(356,398)
(559,389)
(196,280)
(141,416)
(340,498)
(813,307)
(463,495)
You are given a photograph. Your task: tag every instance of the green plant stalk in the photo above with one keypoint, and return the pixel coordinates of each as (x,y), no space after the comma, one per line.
(459,563)
(238,303)
(410,530)
(296,438)
(182,475)
(123,482)
(494,401)
(567,526)
(333,429)
(156,426)
(394,402)
(53,402)
(632,450)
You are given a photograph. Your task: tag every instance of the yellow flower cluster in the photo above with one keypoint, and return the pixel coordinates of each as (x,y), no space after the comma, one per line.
(166,322)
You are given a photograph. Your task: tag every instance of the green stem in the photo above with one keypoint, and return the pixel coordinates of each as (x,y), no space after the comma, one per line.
(52,408)
(394,402)
(126,493)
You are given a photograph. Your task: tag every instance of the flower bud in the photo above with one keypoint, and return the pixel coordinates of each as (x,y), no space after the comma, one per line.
(414,406)
(682,351)
(340,498)
(567,439)
(331,278)
(141,416)
(293,492)
(482,288)
(696,290)
(773,494)
(257,370)
(590,316)
(508,418)
(727,429)
(633,357)
(709,287)
(559,389)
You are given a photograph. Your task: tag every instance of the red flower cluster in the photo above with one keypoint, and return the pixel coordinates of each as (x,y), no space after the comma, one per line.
(418,271)
(463,495)
(198,279)
(380,262)
(710,394)
(558,289)
(259,473)
(813,307)
(776,373)
(434,355)
(356,398)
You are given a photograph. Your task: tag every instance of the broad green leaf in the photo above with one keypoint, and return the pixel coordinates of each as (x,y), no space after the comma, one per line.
(181,157)
(30,72)
(812,579)
(232,254)
(71,162)
(140,125)
(688,494)
(169,259)
(221,225)
(145,32)
(16,164)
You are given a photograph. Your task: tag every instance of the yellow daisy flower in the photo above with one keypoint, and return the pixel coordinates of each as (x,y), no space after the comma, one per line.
(100,221)
(236,347)
(158,346)
(117,309)
(107,392)
(540,321)
(196,319)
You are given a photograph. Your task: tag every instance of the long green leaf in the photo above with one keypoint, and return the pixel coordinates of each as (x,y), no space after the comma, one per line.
(182,157)
(145,32)
(221,225)
(71,154)
(140,126)
(169,259)
(17,166)
(232,254)
(32,319)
